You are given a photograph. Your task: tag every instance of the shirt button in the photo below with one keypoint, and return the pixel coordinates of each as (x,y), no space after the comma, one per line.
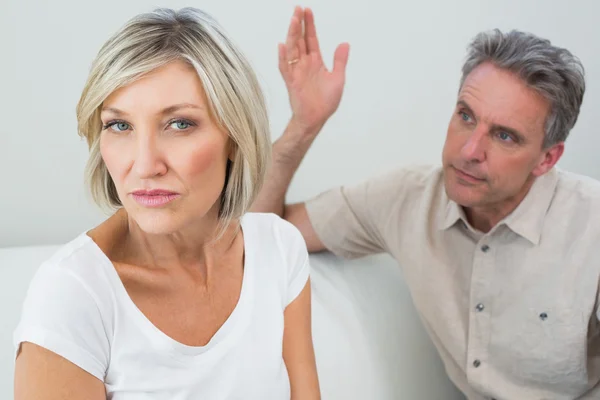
(485,248)
(476,363)
(480,307)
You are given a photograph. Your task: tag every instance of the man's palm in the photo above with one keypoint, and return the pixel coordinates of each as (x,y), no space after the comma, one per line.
(314,91)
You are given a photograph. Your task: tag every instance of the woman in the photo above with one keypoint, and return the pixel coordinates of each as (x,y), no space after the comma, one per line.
(180,294)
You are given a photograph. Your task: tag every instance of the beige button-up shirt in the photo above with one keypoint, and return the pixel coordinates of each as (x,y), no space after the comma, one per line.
(513,312)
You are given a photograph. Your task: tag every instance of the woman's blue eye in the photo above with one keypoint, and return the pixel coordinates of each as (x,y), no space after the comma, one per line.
(121,126)
(117,126)
(180,125)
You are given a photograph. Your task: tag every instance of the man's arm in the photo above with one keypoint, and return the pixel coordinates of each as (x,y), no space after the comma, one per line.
(288,153)
(315,94)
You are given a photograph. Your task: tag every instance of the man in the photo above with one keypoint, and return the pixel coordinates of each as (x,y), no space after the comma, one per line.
(499,248)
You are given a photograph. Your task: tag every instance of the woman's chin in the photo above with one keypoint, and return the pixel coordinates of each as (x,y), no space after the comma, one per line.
(157,222)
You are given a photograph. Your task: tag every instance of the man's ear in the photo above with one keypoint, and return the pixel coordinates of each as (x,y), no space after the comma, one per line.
(549,158)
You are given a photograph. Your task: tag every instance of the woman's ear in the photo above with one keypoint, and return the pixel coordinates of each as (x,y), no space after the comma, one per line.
(232,150)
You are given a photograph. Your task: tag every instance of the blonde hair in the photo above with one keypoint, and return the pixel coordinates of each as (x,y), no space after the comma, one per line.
(151,40)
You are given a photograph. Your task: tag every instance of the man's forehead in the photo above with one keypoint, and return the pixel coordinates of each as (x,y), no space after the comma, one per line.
(500,97)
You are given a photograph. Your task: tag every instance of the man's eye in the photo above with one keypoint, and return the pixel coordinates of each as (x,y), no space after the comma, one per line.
(465,117)
(504,136)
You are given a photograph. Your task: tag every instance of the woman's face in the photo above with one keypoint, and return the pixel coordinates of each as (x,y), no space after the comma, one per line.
(165,154)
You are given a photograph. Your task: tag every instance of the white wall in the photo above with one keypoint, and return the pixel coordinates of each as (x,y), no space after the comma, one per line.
(402,79)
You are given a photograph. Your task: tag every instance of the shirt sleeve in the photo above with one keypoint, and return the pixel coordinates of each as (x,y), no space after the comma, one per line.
(351,220)
(61,315)
(295,255)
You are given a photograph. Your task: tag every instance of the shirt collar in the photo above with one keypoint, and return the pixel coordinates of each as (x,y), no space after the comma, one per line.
(527,220)
(451,213)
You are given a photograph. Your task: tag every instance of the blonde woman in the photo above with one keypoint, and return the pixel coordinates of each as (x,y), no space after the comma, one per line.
(180,294)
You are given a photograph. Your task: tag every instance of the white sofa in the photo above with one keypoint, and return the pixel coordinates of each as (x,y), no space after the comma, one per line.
(369,341)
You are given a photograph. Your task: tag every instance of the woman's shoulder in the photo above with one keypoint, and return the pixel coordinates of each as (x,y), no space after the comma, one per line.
(67,308)
(283,251)
(79,257)
(273,227)
(71,282)
(77,269)
(273,235)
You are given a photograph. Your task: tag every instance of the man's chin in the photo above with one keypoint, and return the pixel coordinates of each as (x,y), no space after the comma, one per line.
(461,195)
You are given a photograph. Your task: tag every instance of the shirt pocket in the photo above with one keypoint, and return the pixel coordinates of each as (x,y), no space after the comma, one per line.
(544,346)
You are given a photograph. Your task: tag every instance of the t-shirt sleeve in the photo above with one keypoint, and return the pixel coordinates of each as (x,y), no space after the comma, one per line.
(296,259)
(351,220)
(61,314)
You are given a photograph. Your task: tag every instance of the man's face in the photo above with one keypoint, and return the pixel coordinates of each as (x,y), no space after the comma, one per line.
(494,145)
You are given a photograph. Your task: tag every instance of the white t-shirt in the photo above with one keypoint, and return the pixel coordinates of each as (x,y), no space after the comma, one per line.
(77,307)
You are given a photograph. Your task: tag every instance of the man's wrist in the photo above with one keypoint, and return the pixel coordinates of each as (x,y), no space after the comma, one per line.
(302,131)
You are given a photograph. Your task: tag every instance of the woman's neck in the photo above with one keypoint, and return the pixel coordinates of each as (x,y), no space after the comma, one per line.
(194,245)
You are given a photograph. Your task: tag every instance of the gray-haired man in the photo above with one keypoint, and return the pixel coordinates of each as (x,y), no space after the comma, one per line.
(499,248)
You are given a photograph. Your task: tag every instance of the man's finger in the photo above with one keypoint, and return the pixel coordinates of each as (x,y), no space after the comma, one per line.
(291,44)
(310,34)
(294,35)
(302,41)
(283,64)
(340,58)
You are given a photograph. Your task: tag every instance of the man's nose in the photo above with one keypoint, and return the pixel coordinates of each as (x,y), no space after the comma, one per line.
(475,147)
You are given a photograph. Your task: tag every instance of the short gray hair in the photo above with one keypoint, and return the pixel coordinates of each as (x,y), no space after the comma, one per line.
(552,71)
(151,40)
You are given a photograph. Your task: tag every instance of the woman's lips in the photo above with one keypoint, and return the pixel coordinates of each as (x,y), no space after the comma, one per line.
(154,198)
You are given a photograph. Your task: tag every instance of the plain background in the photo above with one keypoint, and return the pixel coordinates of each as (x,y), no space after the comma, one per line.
(402,80)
